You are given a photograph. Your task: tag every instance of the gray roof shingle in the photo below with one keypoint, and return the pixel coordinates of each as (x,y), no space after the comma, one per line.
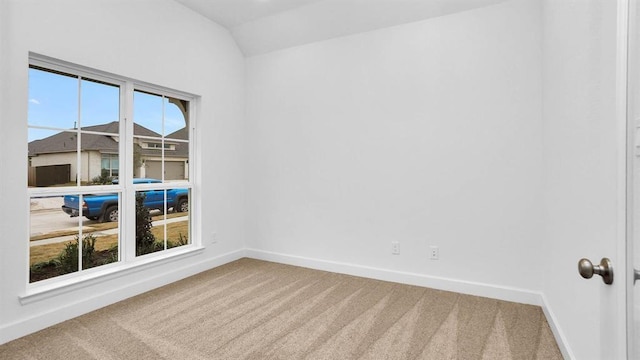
(66,141)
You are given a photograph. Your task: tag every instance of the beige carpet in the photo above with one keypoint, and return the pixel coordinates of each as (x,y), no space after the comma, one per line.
(252,309)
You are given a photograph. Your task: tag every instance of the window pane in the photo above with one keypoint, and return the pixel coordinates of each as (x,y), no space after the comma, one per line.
(176,145)
(147,114)
(52,158)
(178,222)
(147,152)
(98,151)
(55,230)
(51,229)
(161,149)
(101,229)
(100,106)
(53,99)
(150,223)
(100,113)
(175,118)
(160,215)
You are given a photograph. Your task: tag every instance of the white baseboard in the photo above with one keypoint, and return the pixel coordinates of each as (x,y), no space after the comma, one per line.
(460,286)
(555,329)
(57,315)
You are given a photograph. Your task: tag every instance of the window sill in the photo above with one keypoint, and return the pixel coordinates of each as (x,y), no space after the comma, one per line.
(37,292)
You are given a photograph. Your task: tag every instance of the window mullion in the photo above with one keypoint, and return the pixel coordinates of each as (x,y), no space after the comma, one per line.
(79,136)
(127,215)
(80,232)
(162,141)
(192,172)
(162,161)
(79,172)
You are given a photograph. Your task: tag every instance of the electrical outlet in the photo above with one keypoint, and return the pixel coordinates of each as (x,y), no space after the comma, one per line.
(214,237)
(434,253)
(395,248)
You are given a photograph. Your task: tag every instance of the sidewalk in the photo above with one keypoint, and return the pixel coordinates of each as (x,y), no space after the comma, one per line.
(100,232)
(49,203)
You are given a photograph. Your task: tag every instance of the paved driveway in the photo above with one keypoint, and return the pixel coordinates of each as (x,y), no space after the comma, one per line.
(47,216)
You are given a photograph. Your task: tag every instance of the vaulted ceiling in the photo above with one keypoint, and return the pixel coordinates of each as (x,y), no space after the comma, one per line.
(262,26)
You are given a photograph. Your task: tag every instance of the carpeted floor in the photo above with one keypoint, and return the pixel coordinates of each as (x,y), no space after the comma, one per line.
(252,309)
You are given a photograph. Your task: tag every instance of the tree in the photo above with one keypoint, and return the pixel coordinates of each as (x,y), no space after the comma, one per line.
(137,157)
(145,240)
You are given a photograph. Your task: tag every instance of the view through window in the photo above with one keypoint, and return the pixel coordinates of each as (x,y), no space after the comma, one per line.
(79,146)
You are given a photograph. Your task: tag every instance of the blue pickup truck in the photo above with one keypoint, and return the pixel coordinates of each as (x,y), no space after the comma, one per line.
(104,207)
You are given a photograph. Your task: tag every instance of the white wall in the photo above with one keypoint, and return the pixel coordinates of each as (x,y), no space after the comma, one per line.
(157,41)
(4,31)
(4,34)
(581,160)
(427,133)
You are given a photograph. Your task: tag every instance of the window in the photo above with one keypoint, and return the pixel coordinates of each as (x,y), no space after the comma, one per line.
(100,195)
(110,165)
(160,146)
(162,120)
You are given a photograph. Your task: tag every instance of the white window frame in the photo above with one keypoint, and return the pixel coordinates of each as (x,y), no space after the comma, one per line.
(125,187)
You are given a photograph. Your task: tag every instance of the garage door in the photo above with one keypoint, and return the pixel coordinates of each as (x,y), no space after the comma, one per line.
(52,175)
(173,170)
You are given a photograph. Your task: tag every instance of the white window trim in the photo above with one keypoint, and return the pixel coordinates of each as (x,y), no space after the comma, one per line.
(128,261)
(66,283)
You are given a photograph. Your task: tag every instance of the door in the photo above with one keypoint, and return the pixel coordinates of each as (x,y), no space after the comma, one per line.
(615,306)
(173,170)
(153,169)
(633,187)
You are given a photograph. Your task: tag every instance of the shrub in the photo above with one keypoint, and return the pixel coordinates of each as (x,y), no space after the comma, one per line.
(67,261)
(103,179)
(182,240)
(68,258)
(111,258)
(145,240)
(39,267)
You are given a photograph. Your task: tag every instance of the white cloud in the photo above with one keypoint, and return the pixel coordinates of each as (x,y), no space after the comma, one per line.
(34,101)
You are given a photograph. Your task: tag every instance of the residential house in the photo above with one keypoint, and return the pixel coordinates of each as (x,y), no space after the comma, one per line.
(99,153)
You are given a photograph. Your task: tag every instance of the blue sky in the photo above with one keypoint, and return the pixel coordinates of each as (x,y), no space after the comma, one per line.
(53,102)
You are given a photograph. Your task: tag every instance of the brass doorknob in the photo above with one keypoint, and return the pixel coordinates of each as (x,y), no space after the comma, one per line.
(605,269)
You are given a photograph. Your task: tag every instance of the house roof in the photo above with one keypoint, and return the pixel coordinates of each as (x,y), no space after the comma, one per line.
(66,141)
(182,149)
(182,134)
